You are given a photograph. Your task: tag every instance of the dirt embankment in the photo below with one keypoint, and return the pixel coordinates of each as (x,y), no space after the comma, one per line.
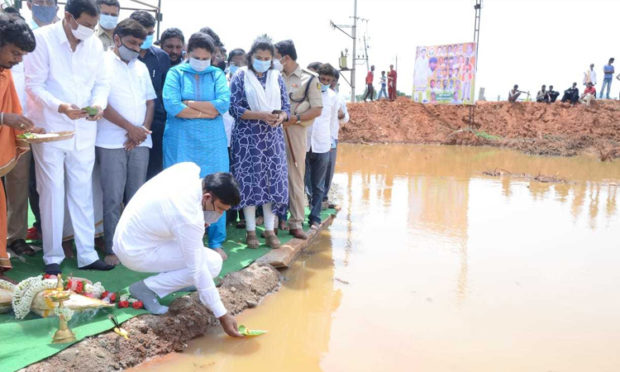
(537,128)
(152,335)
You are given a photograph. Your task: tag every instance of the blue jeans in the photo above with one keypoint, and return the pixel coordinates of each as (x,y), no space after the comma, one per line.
(606,82)
(382,92)
(316,170)
(330,169)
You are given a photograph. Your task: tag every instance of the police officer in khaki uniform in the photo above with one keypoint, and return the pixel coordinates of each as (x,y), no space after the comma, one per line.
(304,92)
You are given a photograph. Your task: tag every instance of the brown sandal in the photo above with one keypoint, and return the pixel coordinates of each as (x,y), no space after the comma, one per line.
(272,240)
(251,240)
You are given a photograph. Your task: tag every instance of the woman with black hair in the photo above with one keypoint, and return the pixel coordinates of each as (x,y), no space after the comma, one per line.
(195,96)
(259,105)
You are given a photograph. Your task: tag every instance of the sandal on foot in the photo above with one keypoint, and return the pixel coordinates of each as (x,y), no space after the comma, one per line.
(251,240)
(20,248)
(272,240)
(240,224)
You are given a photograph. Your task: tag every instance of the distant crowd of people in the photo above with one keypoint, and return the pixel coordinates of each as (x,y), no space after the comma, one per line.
(571,94)
(387,81)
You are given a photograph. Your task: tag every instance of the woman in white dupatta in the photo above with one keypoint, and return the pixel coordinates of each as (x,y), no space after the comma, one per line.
(259,104)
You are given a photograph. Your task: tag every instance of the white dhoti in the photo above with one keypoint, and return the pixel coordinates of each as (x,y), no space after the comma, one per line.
(166,259)
(66,172)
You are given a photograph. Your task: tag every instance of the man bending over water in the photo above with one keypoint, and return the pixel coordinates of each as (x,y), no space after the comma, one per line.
(161,230)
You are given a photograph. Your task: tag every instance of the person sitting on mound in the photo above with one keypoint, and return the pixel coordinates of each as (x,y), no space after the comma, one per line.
(589,94)
(552,95)
(571,94)
(161,231)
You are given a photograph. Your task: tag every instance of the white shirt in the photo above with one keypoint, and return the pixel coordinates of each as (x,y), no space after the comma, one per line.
(130,88)
(335,127)
(589,76)
(319,137)
(55,75)
(229,123)
(168,208)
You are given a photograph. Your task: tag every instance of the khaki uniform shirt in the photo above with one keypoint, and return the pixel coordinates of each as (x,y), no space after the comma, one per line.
(106,40)
(296,86)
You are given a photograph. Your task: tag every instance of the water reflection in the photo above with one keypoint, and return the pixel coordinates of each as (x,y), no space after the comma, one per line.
(431,266)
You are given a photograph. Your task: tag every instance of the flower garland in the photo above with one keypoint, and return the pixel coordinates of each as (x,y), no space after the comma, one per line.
(26,290)
(7,285)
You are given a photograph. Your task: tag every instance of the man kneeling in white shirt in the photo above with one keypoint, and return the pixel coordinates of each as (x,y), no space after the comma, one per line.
(161,231)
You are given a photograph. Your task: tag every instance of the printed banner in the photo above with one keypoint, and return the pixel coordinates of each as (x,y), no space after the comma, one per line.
(445,74)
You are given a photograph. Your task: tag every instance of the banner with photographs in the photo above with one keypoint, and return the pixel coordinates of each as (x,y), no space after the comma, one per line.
(445,74)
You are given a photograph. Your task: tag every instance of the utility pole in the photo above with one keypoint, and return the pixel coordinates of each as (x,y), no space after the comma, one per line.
(477,8)
(353,36)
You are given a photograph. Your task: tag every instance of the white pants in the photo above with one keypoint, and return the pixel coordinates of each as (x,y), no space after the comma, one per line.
(59,173)
(166,259)
(67,230)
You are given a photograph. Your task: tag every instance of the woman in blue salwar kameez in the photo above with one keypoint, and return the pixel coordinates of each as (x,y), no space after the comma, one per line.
(195,96)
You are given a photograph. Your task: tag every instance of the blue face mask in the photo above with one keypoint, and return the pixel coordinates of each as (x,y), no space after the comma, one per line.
(45,14)
(107,21)
(148,42)
(324,87)
(232,69)
(261,66)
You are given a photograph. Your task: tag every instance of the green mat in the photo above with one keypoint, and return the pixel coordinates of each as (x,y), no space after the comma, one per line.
(23,342)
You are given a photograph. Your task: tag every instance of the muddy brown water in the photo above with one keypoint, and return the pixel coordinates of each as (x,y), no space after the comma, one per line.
(432,266)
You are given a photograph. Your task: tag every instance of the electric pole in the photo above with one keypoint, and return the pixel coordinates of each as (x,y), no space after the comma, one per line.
(353,36)
(478,9)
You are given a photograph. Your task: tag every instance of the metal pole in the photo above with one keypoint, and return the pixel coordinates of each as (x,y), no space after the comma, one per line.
(354,34)
(158,17)
(472,108)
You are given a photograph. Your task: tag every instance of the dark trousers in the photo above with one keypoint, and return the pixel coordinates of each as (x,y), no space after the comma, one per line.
(156,156)
(33,196)
(330,170)
(316,170)
(370,92)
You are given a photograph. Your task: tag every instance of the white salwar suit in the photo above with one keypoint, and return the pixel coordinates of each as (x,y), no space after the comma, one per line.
(161,231)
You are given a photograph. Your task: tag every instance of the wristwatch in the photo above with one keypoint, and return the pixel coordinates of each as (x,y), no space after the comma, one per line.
(298,119)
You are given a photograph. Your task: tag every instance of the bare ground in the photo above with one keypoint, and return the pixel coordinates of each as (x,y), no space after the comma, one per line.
(536,128)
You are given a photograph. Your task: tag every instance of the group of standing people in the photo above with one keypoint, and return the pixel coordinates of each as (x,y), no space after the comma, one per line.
(136,109)
(185,129)
(571,94)
(388,82)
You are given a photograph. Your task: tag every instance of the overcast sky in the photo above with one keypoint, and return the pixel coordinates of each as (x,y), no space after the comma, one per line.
(528,42)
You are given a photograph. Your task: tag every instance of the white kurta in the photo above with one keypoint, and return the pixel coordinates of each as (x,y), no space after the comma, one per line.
(161,231)
(55,74)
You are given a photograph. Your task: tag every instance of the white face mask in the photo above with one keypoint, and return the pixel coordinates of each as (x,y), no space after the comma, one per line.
(82,32)
(199,65)
(278,65)
(211,217)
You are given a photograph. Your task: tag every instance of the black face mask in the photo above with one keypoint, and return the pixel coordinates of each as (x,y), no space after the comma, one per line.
(221,65)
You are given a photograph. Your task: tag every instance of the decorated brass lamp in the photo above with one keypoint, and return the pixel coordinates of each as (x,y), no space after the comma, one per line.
(63,335)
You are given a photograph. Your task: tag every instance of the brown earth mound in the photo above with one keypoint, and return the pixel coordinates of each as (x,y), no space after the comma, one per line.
(537,128)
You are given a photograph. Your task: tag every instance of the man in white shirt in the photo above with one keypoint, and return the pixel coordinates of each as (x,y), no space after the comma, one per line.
(68,87)
(123,135)
(343,118)
(589,76)
(161,231)
(319,144)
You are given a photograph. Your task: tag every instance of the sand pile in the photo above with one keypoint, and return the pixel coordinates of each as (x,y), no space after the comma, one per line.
(538,128)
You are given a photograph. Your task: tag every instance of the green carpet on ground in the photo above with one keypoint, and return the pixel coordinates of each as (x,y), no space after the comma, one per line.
(23,342)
